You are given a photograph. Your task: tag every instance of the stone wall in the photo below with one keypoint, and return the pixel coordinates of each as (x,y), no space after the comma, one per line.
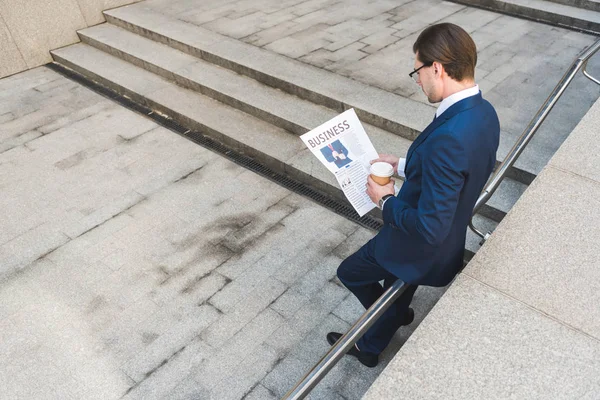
(29,30)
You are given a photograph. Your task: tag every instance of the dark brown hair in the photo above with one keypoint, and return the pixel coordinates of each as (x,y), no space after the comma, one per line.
(451,46)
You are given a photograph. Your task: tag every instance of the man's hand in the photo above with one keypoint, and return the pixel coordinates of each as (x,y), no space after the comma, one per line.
(388,158)
(377,191)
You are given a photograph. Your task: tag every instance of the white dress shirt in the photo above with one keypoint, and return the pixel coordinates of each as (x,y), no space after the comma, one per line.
(455,98)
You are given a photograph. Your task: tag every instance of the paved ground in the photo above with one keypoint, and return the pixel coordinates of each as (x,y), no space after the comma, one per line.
(137,264)
(371,41)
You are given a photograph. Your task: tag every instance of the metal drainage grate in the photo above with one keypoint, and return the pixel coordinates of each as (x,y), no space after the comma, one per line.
(243,160)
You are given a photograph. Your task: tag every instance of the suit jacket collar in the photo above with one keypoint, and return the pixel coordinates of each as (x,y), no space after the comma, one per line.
(453,110)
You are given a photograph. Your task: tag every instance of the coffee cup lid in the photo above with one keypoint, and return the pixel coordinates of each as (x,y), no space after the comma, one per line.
(382,169)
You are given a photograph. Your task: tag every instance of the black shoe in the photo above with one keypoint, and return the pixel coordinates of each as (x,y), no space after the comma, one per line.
(409,317)
(368,359)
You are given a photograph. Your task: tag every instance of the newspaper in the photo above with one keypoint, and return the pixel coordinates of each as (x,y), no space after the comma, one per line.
(342,145)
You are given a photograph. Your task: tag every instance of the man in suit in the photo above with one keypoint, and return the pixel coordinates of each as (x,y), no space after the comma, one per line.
(337,153)
(423,238)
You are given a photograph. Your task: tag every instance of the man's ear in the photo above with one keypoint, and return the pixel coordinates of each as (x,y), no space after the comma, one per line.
(438,68)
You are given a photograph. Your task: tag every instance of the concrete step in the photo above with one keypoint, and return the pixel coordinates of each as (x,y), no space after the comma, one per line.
(271,145)
(473,241)
(271,105)
(593,5)
(503,199)
(239,91)
(564,13)
(386,110)
(378,107)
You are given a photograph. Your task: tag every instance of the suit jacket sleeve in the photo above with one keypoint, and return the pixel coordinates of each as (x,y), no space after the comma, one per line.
(442,179)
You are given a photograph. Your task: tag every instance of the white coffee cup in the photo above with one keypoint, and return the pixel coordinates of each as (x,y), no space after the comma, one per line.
(381,172)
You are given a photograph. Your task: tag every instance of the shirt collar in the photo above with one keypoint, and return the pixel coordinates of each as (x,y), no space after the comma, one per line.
(455,98)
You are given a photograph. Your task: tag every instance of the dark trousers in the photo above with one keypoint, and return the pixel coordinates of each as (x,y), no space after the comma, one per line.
(361,275)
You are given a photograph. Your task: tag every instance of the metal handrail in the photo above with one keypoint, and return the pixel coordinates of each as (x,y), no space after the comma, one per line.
(532,128)
(337,351)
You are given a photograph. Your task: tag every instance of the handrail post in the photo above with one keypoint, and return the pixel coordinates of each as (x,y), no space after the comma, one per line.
(337,351)
(532,128)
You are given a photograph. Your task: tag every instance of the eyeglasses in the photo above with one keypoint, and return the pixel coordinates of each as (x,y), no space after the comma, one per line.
(414,75)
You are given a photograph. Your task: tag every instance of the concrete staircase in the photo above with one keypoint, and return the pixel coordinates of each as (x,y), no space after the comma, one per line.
(249,99)
(580,15)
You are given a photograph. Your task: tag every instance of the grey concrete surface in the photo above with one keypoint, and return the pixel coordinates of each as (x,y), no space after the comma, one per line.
(38,28)
(141,280)
(271,145)
(315,84)
(29,30)
(508,192)
(504,65)
(593,5)
(92,9)
(271,105)
(12,59)
(578,154)
(137,265)
(549,11)
(479,343)
(520,61)
(560,238)
(556,269)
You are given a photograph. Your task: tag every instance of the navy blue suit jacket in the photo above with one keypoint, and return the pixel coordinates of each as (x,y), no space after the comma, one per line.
(423,238)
